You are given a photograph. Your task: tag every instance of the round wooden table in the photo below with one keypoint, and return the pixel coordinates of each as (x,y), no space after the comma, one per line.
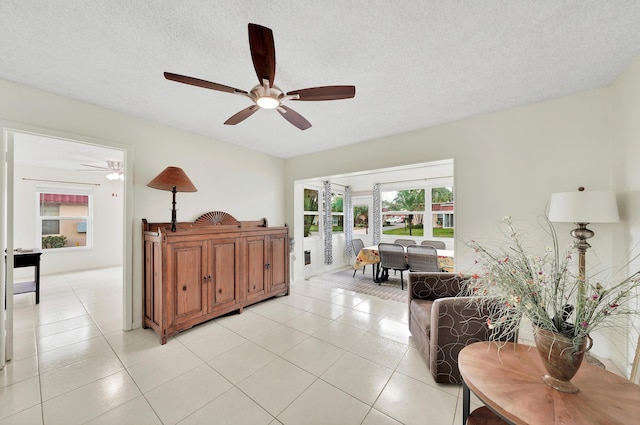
(508,380)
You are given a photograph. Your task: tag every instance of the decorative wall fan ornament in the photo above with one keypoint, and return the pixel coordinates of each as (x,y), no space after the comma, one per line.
(217,218)
(267,95)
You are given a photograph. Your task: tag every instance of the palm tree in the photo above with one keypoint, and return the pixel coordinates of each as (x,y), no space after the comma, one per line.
(361,215)
(410,200)
(441,195)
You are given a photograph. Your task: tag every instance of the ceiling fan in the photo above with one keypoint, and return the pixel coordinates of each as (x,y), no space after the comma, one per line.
(115,168)
(267,95)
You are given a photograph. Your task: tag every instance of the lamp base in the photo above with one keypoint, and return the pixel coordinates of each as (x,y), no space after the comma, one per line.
(173,210)
(581,234)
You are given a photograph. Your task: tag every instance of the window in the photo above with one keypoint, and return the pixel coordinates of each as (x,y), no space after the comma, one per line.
(311,213)
(337,212)
(404,212)
(442,212)
(64,219)
(360,219)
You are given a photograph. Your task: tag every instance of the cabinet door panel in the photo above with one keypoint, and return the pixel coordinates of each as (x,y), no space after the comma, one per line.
(188,278)
(224,277)
(279,263)
(153,282)
(256,260)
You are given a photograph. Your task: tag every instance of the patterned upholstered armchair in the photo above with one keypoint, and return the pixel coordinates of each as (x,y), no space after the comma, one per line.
(442,323)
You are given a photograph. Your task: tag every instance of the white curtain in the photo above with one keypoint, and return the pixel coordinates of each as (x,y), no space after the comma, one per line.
(377,214)
(348,222)
(328,225)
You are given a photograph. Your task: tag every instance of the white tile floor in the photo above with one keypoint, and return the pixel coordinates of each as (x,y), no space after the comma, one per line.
(318,356)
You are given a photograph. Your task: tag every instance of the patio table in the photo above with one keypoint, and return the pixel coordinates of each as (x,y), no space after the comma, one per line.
(369,255)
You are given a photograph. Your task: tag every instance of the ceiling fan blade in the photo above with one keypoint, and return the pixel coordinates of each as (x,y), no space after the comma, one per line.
(201,83)
(94,166)
(263,52)
(242,115)
(325,93)
(293,117)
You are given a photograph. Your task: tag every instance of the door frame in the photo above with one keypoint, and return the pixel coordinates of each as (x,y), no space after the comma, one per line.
(7,221)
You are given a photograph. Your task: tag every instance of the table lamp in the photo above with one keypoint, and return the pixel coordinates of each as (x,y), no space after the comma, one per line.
(583,207)
(174,180)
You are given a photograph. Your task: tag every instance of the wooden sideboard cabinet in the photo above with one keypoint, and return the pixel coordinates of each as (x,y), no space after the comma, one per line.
(208,268)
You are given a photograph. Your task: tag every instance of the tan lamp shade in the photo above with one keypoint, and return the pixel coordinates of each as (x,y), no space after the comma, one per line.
(174,180)
(172,177)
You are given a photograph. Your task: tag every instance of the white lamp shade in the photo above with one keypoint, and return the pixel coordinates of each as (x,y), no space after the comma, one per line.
(594,206)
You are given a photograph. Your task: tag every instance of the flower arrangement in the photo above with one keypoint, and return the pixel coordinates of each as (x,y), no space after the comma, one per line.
(544,288)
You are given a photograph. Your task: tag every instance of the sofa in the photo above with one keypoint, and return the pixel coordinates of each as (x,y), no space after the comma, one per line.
(442,322)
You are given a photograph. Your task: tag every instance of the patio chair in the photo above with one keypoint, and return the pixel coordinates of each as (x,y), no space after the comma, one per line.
(357,245)
(392,257)
(435,244)
(405,242)
(422,258)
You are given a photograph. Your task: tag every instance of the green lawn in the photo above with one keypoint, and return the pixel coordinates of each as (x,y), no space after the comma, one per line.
(402,231)
(443,233)
(419,231)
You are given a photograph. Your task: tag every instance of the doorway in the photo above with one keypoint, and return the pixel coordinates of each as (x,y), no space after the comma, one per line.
(41,163)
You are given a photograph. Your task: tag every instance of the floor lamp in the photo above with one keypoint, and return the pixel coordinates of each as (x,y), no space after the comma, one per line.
(175,180)
(583,207)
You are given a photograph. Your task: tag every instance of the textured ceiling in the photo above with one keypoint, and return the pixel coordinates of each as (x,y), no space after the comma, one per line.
(415,64)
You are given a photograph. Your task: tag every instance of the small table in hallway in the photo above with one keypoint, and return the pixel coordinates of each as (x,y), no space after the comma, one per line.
(29,258)
(508,380)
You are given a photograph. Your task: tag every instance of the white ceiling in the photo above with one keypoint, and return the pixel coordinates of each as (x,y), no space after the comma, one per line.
(38,151)
(415,64)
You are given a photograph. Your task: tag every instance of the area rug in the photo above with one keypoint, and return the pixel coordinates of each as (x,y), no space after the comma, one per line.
(363,283)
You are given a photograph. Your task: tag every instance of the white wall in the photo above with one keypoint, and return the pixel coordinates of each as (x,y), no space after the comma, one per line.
(107,213)
(506,163)
(246,184)
(626,132)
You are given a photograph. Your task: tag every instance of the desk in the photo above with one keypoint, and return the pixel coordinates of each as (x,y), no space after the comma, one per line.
(369,255)
(509,382)
(27,259)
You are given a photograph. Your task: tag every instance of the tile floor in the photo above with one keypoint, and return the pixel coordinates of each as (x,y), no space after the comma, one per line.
(321,355)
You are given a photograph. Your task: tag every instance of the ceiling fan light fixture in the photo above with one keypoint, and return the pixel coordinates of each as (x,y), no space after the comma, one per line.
(115,176)
(268,102)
